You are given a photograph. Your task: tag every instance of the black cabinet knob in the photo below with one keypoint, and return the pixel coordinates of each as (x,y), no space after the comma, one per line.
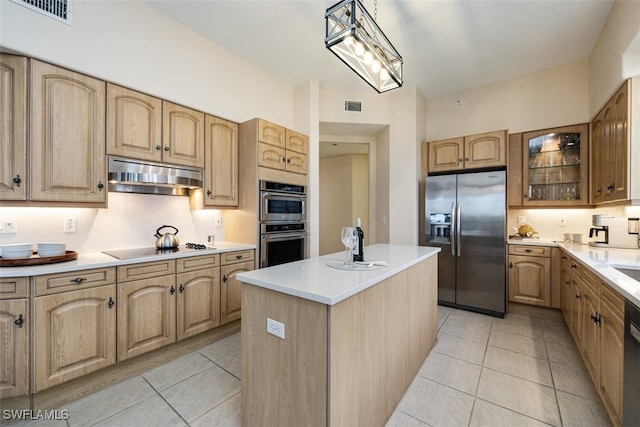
(19,321)
(172,290)
(17,180)
(181,288)
(111,302)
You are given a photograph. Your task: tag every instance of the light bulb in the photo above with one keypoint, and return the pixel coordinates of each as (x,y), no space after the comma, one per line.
(368,57)
(359,48)
(384,74)
(375,67)
(348,41)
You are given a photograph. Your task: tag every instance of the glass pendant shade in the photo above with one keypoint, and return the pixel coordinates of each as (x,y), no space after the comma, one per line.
(354,37)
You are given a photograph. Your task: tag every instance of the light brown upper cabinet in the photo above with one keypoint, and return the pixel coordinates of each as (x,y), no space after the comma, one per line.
(554,167)
(609,145)
(13,127)
(134,124)
(470,152)
(67,127)
(221,162)
(281,148)
(182,135)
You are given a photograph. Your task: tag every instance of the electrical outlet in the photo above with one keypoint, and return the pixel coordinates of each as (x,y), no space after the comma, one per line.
(275,328)
(562,221)
(217,220)
(9,224)
(69,225)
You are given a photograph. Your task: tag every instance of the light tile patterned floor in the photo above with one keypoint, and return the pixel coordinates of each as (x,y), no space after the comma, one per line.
(483,371)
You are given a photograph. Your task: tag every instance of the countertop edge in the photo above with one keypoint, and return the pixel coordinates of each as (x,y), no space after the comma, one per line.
(381,274)
(87,261)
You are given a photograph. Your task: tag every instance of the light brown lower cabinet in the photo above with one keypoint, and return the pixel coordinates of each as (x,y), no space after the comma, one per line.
(231,290)
(74,334)
(14,352)
(146,315)
(594,314)
(530,275)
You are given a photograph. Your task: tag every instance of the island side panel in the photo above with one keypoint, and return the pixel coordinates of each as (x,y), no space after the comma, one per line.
(378,340)
(284,382)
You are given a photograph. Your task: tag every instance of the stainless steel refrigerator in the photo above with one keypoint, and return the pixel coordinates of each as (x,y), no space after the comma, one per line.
(465,215)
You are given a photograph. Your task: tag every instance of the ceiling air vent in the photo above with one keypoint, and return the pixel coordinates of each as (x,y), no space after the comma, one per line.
(353,106)
(56,9)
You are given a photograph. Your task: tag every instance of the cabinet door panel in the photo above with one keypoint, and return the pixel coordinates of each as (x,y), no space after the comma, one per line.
(198,302)
(272,157)
(221,163)
(74,334)
(296,162)
(134,124)
(620,141)
(611,362)
(271,133)
(146,315)
(297,142)
(485,150)
(529,280)
(446,155)
(231,289)
(67,135)
(590,333)
(182,135)
(13,127)
(14,360)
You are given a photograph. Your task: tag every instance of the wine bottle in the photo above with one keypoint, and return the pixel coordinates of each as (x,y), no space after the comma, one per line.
(358,250)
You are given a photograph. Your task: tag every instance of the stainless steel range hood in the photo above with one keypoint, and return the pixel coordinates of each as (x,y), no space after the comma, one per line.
(136,176)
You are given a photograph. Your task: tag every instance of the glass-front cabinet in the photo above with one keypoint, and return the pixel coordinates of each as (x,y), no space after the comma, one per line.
(555,166)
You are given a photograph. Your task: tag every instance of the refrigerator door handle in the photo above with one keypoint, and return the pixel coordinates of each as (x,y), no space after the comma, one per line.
(452,232)
(458,229)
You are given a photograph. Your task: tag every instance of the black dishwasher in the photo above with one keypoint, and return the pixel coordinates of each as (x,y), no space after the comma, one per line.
(631,394)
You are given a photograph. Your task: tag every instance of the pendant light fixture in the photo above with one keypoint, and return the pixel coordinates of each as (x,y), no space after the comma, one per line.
(354,37)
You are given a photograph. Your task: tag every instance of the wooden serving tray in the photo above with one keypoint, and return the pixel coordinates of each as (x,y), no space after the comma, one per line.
(35,259)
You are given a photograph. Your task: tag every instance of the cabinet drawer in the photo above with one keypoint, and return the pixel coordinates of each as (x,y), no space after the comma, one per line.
(544,251)
(591,280)
(197,263)
(74,280)
(238,256)
(14,287)
(613,299)
(127,273)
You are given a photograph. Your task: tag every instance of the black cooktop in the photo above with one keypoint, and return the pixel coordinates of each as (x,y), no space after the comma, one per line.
(149,252)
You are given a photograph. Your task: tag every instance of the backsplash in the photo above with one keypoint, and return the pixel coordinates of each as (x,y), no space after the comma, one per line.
(130,221)
(546,221)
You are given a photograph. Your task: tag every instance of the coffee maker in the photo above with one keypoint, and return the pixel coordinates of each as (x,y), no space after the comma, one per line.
(611,232)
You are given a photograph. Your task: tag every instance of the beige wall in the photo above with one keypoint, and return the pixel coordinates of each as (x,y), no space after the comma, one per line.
(554,97)
(344,195)
(616,54)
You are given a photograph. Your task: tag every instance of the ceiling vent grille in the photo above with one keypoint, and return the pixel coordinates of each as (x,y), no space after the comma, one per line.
(353,106)
(56,9)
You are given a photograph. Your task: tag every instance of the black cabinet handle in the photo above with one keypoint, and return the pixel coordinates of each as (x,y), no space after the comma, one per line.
(238,256)
(166,148)
(111,302)
(579,296)
(19,321)
(224,278)
(172,290)
(510,265)
(181,288)
(17,180)
(288,160)
(158,147)
(100,185)
(528,250)
(209,193)
(78,280)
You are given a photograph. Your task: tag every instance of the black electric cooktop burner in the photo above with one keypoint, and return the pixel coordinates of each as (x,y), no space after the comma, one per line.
(148,252)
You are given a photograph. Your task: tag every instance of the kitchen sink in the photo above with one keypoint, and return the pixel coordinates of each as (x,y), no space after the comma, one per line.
(634,274)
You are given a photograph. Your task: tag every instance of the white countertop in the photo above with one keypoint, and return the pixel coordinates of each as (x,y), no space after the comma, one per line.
(602,262)
(99,260)
(314,280)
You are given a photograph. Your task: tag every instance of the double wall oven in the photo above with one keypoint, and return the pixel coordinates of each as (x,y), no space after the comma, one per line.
(283,223)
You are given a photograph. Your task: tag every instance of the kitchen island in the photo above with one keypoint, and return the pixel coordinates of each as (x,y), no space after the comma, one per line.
(353,340)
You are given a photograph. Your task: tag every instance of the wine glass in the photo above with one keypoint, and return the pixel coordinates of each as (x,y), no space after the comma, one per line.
(348,236)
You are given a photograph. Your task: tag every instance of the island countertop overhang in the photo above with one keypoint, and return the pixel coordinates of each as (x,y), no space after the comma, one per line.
(314,280)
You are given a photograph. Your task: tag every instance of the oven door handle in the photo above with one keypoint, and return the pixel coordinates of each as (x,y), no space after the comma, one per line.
(283,236)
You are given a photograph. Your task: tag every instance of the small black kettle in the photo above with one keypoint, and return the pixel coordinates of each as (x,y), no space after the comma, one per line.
(167,240)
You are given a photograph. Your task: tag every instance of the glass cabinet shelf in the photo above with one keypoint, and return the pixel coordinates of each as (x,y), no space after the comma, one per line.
(554,166)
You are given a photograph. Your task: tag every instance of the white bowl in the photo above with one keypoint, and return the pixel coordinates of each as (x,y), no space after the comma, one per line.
(19,250)
(51,249)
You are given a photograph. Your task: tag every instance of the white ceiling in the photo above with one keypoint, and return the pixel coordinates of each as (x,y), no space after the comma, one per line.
(447,45)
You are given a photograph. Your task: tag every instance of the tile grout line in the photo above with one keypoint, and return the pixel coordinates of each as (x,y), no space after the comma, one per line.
(166,401)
